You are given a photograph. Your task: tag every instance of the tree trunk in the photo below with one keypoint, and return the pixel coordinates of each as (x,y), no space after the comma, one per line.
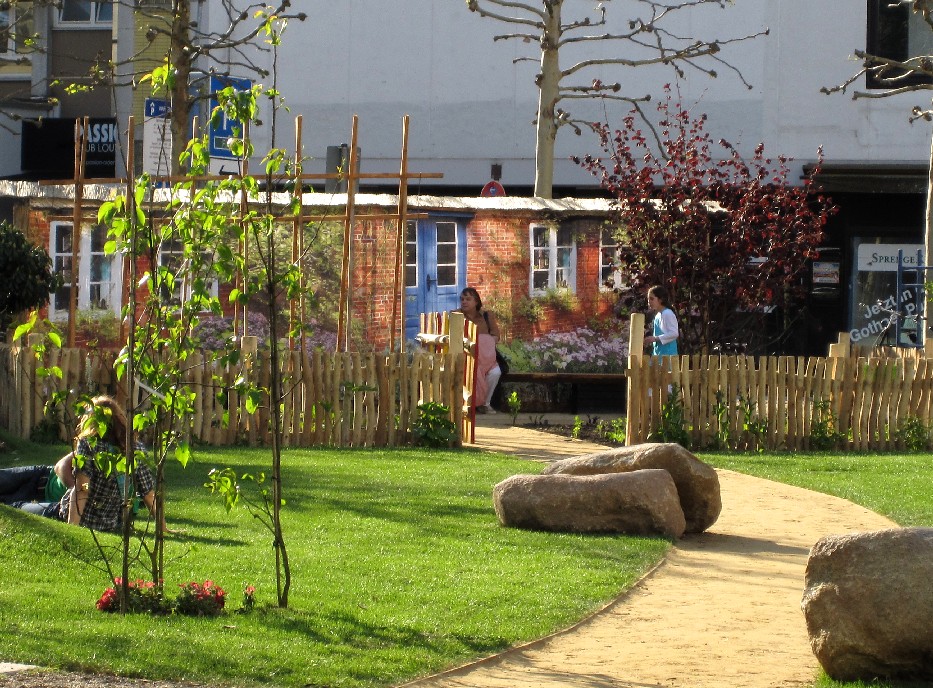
(548,97)
(927,308)
(180,60)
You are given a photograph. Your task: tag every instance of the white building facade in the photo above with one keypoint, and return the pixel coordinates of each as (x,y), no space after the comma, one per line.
(472,100)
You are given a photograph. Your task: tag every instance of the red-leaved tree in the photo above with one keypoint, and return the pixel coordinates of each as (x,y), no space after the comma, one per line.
(730,238)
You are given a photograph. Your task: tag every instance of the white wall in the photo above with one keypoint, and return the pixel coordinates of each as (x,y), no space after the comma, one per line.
(471,106)
(814,48)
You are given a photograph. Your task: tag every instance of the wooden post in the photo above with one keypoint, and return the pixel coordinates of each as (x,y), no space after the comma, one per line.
(249,346)
(129,260)
(456,350)
(244,246)
(842,348)
(129,297)
(398,295)
(80,158)
(346,272)
(297,241)
(32,409)
(634,401)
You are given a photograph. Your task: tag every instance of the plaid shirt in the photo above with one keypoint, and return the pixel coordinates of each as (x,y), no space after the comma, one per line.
(104,507)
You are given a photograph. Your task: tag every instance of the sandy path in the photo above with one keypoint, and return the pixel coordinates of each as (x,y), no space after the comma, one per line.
(722,611)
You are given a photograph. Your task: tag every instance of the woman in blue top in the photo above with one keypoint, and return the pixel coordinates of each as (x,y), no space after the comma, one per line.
(664,339)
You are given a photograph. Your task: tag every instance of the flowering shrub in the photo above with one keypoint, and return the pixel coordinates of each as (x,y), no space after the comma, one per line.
(200,599)
(194,599)
(318,337)
(214,332)
(581,351)
(144,596)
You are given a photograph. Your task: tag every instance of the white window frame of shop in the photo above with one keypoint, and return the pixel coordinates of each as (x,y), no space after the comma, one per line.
(95,9)
(99,274)
(170,249)
(411,253)
(8,24)
(559,243)
(19,23)
(609,267)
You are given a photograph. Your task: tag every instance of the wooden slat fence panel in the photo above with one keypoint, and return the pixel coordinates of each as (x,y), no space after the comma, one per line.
(332,400)
(435,337)
(867,399)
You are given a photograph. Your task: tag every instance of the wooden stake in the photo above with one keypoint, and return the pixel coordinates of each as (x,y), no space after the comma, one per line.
(297,241)
(129,261)
(343,324)
(398,295)
(80,159)
(244,211)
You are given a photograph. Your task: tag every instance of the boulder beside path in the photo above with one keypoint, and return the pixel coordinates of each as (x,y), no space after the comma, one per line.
(868,604)
(637,503)
(697,483)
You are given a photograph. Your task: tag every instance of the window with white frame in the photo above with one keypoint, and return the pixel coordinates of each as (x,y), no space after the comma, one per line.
(178,287)
(99,275)
(446,254)
(610,275)
(411,254)
(7,29)
(553,259)
(16,28)
(85,13)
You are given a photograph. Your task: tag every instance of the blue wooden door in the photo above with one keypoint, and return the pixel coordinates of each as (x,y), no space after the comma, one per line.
(435,268)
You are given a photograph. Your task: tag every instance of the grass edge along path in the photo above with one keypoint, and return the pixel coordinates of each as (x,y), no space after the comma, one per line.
(894,485)
(399,569)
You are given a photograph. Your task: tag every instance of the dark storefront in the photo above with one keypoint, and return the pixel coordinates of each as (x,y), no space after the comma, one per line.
(881,209)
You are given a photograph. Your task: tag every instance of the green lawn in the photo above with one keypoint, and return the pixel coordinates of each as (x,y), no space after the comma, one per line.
(399,569)
(899,486)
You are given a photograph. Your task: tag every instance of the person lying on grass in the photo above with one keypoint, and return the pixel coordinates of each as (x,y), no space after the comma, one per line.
(36,488)
(85,487)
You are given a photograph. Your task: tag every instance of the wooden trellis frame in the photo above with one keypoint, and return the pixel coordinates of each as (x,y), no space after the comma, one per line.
(348,217)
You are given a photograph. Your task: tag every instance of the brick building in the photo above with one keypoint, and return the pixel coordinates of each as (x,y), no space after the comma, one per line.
(539,264)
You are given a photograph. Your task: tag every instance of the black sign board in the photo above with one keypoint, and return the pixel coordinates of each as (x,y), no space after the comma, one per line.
(48,148)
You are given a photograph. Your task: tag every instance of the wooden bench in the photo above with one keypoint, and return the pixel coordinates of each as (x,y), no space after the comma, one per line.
(575,380)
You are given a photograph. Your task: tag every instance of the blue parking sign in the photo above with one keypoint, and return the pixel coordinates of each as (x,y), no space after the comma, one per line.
(156,107)
(224,128)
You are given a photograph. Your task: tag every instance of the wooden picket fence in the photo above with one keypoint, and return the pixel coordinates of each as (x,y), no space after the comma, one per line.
(781,402)
(435,338)
(340,400)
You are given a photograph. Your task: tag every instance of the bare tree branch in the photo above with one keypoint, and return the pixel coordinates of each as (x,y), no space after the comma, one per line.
(476,7)
(649,40)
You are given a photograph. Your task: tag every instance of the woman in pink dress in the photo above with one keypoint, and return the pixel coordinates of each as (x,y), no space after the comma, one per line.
(487,334)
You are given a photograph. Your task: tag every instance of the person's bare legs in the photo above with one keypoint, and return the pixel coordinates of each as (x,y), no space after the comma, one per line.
(492,379)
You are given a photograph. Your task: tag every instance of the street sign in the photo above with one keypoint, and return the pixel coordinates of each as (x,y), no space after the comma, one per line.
(157,138)
(224,128)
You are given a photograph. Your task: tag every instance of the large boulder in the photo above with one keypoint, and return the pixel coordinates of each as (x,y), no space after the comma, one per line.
(868,604)
(638,503)
(697,483)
